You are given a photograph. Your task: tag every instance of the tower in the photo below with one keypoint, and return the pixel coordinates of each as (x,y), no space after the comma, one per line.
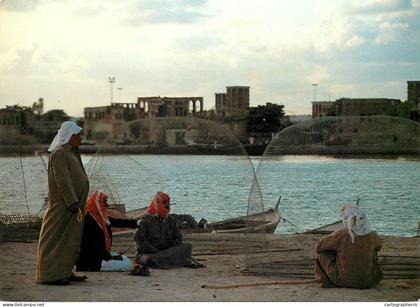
(237,100)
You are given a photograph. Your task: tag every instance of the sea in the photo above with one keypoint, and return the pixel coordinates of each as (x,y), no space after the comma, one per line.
(312,188)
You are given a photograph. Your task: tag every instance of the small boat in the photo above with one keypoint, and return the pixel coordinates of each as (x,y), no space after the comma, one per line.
(329,228)
(326,229)
(264,222)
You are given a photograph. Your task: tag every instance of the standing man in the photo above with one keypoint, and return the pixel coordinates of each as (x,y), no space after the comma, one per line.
(62,227)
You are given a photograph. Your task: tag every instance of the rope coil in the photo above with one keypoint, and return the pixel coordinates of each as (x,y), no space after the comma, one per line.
(79,215)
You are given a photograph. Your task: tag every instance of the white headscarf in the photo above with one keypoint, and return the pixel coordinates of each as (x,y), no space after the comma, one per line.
(68,128)
(355,221)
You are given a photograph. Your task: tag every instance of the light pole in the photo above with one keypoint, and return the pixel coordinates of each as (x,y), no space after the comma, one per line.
(119,93)
(111,81)
(314,85)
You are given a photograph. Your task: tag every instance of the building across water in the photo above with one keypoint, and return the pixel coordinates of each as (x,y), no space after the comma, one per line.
(111,121)
(372,106)
(233,103)
(23,125)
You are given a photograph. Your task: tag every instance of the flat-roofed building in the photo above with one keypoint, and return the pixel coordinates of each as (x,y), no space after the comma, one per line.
(157,106)
(322,108)
(109,121)
(17,120)
(413,91)
(220,104)
(366,106)
(237,100)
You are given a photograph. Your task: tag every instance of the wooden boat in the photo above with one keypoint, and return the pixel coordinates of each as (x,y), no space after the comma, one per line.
(329,228)
(326,229)
(264,222)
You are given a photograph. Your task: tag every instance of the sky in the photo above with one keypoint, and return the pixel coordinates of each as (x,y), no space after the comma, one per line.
(64,51)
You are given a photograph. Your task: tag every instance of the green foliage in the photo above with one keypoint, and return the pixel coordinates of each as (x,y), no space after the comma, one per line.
(264,119)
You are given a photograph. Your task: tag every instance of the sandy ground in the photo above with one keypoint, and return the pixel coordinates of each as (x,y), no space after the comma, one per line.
(17,276)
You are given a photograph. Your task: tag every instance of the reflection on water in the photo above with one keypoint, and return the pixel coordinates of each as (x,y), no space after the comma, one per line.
(217,187)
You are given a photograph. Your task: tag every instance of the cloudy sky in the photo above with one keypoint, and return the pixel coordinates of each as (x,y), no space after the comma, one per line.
(64,51)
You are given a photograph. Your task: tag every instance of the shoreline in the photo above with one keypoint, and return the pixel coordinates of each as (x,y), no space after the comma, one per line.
(339,152)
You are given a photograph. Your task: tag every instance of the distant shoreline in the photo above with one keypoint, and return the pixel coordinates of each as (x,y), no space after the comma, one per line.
(336,151)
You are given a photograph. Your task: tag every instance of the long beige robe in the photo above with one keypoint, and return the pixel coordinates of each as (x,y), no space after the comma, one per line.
(61,233)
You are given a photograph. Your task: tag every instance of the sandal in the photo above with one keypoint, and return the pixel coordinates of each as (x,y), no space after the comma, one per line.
(59,282)
(193,264)
(74,277)
(140,271)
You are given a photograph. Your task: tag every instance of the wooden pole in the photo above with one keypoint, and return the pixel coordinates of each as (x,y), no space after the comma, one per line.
(264,283)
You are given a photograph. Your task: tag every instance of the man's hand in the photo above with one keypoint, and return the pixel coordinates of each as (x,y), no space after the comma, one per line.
(73,208)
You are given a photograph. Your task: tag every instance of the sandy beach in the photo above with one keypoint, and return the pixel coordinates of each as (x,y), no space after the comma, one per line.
(224,258)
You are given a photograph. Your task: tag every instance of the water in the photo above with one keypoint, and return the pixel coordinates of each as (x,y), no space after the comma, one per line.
(313,188)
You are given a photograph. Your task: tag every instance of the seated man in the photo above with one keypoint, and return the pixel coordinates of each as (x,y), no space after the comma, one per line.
(348,257)
(159,240)
(95,249)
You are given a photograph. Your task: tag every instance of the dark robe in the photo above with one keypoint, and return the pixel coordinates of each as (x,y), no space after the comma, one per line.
(61,232)
(159,243)
(342,263)
(93,247)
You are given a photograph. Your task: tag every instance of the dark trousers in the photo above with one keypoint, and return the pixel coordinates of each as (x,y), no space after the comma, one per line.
(173,257)
(89,262)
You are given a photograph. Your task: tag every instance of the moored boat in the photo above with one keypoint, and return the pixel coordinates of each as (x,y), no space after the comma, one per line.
(263,222)
(326,229)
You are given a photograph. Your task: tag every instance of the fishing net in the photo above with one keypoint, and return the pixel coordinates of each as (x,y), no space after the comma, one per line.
(321,164)
(199,163)
(23,178)
(306,173)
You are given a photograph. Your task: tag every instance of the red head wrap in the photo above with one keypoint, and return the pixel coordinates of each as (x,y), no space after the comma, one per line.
(160,205)
(95,206)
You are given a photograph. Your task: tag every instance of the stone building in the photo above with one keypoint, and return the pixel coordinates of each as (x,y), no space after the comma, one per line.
(157,106)
(413,100)
(322,108)
(17,120)
(108,122)
(231,110)
(12,119)
(372,106)
(237,101)
(366,106)
(220,104)
(413,91)
(356,107)
(234,103)
(44,127)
